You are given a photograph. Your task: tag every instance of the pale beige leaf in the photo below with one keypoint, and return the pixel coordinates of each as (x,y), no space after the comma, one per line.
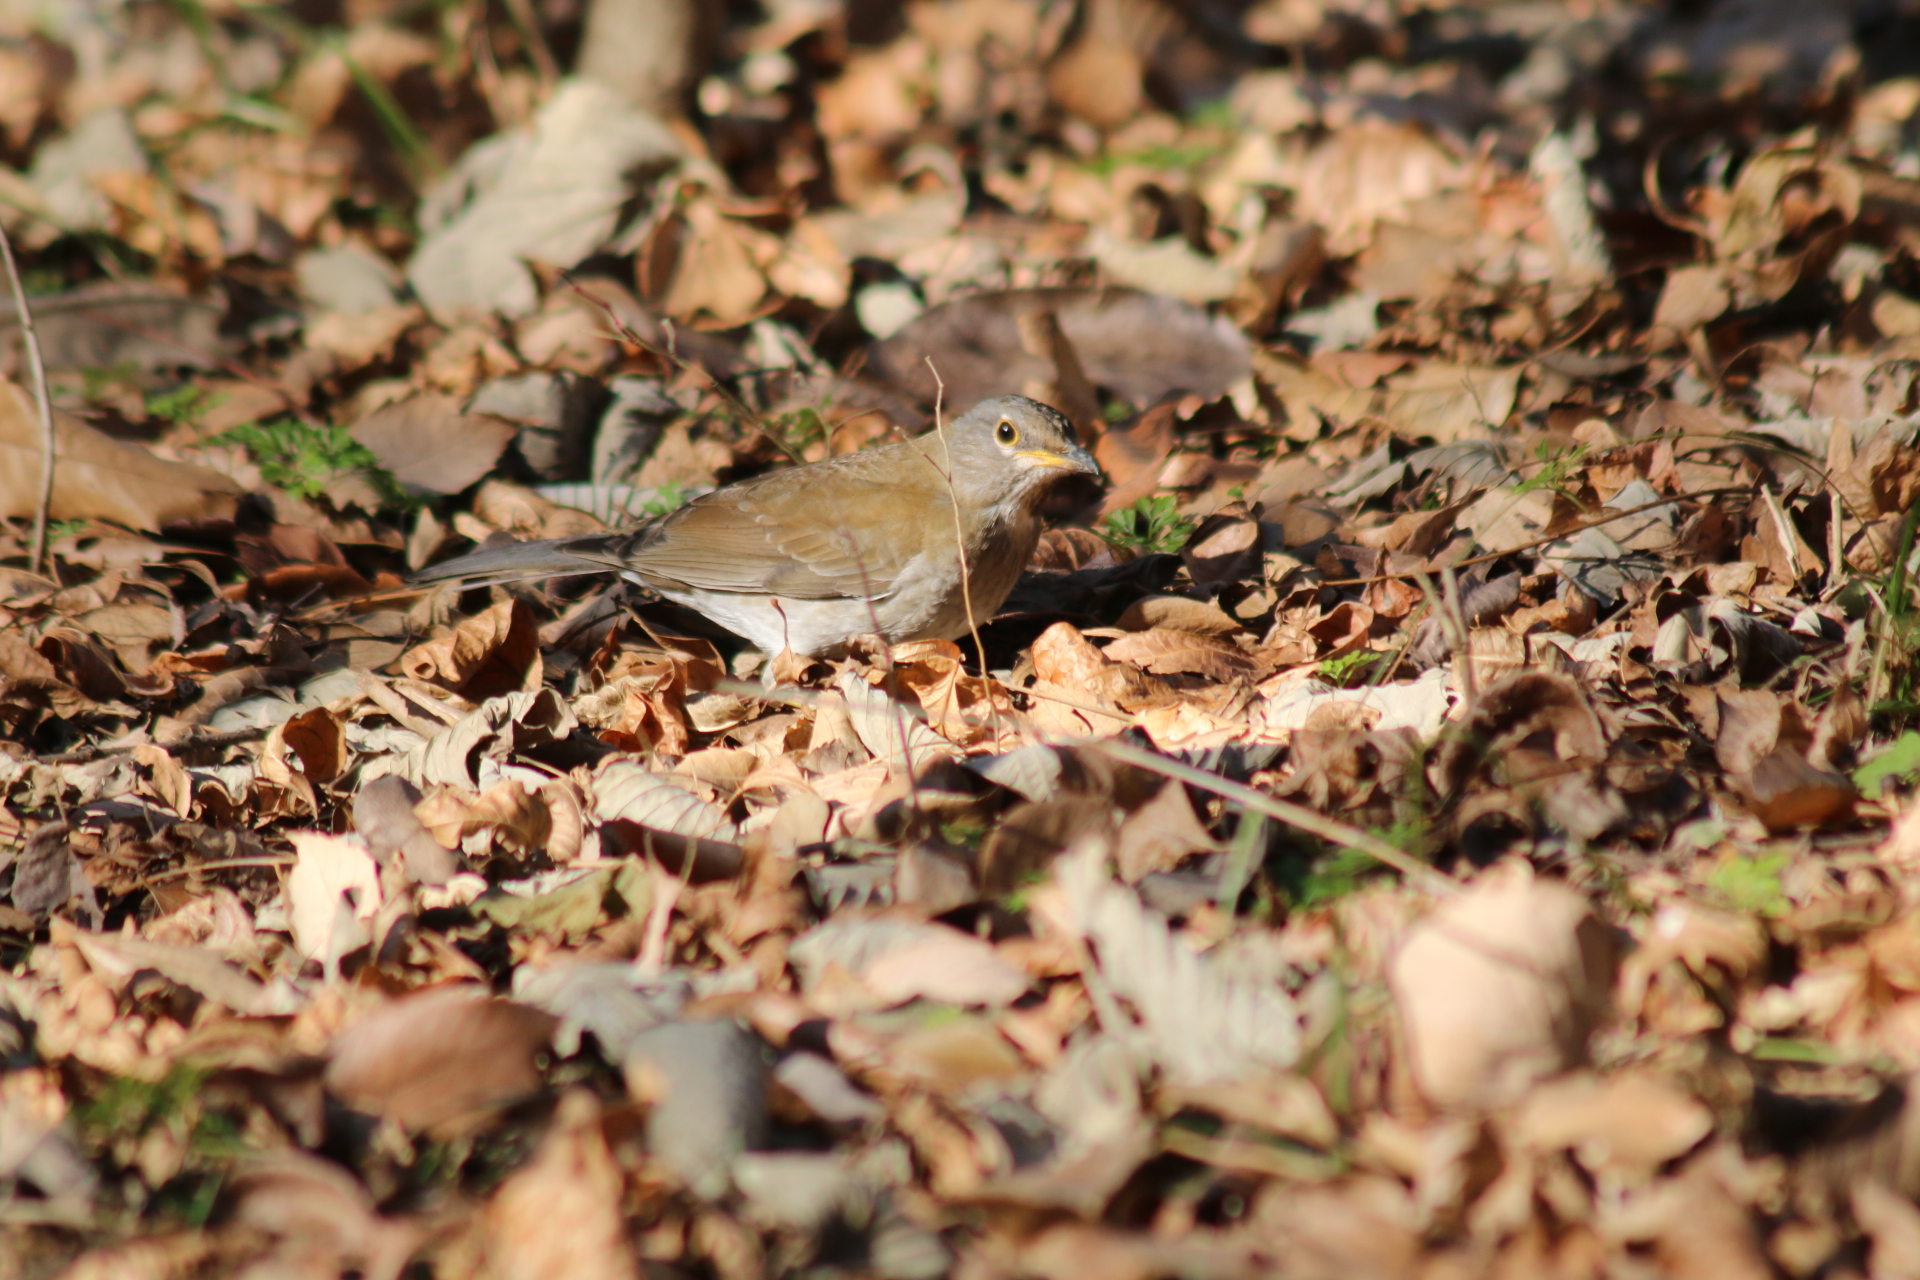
(1499,987)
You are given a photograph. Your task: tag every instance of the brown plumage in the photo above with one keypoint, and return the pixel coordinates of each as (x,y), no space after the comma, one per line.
(809,557)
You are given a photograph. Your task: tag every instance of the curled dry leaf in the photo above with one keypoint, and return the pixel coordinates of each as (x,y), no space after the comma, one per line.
(889,730)
(470,752)
(117,958)
(383,814)
(1064,658)
(1626,1125)
(44,872)
(333,889)
(487,655)
(1510,711)
(314,1209)
(1224,549)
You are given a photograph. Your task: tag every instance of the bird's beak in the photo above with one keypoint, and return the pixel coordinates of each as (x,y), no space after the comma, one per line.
(1071,458)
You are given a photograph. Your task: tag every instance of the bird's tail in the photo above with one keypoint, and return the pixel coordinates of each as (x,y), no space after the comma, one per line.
(515,562)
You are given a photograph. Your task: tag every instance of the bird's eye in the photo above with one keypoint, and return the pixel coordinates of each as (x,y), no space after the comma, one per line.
(1006,433)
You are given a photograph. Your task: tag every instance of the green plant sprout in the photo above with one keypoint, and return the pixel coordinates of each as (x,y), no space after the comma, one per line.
(304,458)
(1341,672)
(1898,762)
(184,405)
(666,499)
(1751,885)
(1153,524)
(1556,468)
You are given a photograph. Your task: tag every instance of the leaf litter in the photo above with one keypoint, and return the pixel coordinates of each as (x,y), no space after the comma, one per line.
(1444,805)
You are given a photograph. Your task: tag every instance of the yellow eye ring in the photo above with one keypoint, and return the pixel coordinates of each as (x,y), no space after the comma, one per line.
(1006,433)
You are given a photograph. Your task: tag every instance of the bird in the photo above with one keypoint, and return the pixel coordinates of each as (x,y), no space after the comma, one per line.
(807,558)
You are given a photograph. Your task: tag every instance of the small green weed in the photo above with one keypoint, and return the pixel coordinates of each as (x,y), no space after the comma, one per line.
(1343,672)
(40,281)
(798,429)
(184,405)
(1894,687)
(1218,114)
(1183,158)
(666,499)
(303,458)
(1016,901)
(1330,877)
(1899,761)
(966,831)
(1556,468)
(125,1107)
(1153,524)
(1751,885)
(95,382)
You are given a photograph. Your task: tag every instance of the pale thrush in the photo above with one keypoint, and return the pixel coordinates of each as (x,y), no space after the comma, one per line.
(807,558)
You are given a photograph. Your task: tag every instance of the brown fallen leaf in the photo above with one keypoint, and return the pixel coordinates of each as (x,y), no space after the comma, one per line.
(117,323)
(1787,792)
(427,443)
(439,1056)
(1065,658)
(1179,613)
(96,476)
(332,891)
(1164,652)
(1224,549)
(880,963)
(1141,345)
(560,1213)
(310,1206)
(1628,1124)
(486,655)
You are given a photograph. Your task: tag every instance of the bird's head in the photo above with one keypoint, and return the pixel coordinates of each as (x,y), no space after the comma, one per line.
(1011,447)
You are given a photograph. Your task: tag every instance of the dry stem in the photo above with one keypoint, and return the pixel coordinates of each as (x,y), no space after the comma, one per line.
(39,368)
(1299,817)
(960,545)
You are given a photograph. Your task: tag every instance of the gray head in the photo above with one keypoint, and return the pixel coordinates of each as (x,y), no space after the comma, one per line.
(1011,447)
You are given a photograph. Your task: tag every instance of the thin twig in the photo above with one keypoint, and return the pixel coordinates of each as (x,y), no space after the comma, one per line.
(192,742)
(41,402)
(1297,816)
(960,545)
(181,873)
(626,332)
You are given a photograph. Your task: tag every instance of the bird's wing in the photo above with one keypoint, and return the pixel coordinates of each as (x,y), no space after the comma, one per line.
(843,529)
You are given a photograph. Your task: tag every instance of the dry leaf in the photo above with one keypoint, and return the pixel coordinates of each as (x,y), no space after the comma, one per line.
(428,444)
(98,477)
(560,1213)
(436,1057)
(332,891)
(1499,987)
